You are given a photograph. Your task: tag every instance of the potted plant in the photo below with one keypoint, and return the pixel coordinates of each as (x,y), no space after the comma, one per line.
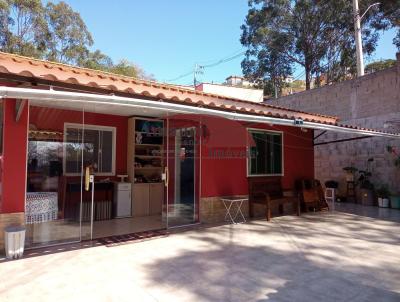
(395,201)
(383,196)
(332,184)
(350,173)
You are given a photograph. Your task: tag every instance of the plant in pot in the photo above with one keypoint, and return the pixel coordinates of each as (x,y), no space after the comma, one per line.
(383,196)
(332,184)
(366,188)
(395,201)
(350,173)
(395,198)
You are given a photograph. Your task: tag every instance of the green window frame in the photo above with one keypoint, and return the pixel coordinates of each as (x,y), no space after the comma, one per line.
(265,156)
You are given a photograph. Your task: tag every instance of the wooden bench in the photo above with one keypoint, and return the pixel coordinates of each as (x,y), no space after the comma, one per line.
(268,191)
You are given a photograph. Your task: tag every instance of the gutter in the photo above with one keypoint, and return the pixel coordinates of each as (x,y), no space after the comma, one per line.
(56,95)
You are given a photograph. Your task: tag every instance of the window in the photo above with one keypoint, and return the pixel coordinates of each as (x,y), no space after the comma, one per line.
(265,153)
(98,144)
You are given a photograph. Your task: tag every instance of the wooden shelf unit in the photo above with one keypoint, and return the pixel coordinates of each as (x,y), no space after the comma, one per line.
(147,184)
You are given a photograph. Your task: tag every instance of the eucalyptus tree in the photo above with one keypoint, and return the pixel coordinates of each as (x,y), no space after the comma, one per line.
(69,39)
(317,35)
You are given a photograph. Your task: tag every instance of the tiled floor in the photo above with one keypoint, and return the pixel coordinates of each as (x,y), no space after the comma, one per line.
(316,257)
(59,231)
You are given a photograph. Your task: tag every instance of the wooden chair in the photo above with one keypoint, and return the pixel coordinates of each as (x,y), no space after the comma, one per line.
(268,191)
(312,194)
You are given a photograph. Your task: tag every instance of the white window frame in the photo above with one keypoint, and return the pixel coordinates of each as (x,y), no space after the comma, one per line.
(248,152)
(90,127)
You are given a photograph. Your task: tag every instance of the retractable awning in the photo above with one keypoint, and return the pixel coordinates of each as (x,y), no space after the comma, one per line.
(86,99)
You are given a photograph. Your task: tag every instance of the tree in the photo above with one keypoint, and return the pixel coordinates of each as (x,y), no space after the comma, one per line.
(96,60)
(69,37)
(56,33)
(24,29)
(390,9)
(315,34)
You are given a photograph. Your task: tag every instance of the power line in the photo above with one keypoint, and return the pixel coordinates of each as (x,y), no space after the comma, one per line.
(199,69)
(181,76)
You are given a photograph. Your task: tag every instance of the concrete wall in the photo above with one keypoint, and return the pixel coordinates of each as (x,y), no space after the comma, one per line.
(369,102)
(242,93)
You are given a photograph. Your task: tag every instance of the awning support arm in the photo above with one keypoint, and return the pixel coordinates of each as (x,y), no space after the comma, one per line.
(19,107)
(342,140)
(322,133)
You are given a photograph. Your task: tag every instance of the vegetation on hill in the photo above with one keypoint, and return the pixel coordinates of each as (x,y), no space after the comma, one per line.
(379,65)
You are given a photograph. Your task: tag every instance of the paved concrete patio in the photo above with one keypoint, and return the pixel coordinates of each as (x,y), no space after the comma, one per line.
(316,257)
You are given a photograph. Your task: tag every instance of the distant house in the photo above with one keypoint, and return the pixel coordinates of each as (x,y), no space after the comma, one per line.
(234,87)
(234,80)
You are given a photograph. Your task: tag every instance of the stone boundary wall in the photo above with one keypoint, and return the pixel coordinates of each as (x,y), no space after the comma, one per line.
(369,101)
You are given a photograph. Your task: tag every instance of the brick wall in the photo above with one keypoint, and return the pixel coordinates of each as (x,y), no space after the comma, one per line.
(369,101)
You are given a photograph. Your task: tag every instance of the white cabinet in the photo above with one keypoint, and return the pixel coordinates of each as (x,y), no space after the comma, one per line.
(122,200)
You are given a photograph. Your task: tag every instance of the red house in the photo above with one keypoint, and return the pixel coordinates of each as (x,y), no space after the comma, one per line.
(69,132)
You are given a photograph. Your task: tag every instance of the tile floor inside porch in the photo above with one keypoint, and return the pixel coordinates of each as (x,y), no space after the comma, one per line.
(57,231)
(352,254)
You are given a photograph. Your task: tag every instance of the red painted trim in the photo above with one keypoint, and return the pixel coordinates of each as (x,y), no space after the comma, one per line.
(14,158)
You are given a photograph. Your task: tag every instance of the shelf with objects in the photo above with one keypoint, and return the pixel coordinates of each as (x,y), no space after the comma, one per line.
(146,165)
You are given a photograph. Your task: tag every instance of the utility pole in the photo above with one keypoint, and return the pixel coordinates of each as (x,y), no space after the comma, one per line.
(357,30)
(194,75)
(359,48)
(198,69)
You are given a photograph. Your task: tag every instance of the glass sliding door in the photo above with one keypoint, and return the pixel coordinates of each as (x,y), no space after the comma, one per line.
(184,173)
(116,143)
(54,175)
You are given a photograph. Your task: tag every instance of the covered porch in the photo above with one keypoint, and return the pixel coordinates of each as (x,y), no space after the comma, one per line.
(72,134)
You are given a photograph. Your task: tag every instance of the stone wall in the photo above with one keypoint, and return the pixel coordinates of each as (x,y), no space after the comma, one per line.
(369,101)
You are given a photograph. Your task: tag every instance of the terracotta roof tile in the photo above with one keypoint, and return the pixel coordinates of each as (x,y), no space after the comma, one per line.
(57,72)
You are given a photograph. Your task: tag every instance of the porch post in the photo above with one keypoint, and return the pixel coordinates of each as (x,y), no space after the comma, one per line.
(13,166)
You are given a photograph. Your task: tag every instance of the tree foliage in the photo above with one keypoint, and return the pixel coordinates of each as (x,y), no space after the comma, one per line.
(54,32)
(23,27)
(315,34)
(379,65)
(69,36)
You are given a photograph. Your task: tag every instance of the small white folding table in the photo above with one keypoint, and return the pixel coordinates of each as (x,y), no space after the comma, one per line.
(233,206)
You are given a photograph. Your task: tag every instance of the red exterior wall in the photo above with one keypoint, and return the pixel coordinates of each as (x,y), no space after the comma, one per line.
(54,119)
(14,159)
(224,175)
(220,175)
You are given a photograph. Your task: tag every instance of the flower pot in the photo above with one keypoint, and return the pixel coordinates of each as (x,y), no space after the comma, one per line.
(366,197)
(395,202)
(349,177)
(383,202)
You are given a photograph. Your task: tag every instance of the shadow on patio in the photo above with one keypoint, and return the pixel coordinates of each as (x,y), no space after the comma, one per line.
(317,257)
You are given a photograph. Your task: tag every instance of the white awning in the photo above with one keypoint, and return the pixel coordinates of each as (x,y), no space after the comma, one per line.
(112,104)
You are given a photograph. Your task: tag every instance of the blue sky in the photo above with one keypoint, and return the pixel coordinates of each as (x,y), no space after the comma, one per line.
(167,38)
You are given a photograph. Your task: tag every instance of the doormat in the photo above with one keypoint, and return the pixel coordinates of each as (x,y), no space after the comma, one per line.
(130,238)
